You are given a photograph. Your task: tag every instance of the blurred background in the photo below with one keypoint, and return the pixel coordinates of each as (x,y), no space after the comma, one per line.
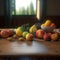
(14,13)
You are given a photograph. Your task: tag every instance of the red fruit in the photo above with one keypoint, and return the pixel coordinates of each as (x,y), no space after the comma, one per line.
(31,37)
(10,32)
(40,33)
(4,33)
(47,36)
(52,25)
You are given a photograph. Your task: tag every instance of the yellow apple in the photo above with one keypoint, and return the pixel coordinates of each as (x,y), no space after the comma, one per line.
(19,31)
(29,36)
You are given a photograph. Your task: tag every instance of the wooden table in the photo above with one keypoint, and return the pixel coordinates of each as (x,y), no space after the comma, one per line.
(18,48)
(37,48)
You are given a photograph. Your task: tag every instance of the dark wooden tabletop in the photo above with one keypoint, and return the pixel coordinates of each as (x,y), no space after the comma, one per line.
(41,48)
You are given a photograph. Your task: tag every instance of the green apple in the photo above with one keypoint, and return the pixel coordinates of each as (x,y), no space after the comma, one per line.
(24,34)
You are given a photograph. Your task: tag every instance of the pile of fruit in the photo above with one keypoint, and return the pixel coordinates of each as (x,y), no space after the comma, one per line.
(38,33)
(21,32)
(48,26)
(47,36)
(48,23)
(27,32)
(46,33)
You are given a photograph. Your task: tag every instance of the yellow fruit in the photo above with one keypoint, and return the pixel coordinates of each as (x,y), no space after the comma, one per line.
(19,31)
(29,36)
(43,25)
(47,23)
(33,29)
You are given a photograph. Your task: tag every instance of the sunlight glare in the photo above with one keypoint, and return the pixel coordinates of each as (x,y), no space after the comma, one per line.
(24,3)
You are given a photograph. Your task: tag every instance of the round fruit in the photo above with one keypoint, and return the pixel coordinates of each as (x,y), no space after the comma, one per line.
(52,25)
(29,36)
(4,33)
(54,37)
(11,32)
(40,33)
(47,36)
(24,34)
(19,31)
(47,23)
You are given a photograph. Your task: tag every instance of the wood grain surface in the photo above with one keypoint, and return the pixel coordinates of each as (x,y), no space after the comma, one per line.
(18,48)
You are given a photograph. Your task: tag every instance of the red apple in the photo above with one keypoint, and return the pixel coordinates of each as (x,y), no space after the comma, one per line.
(11,32)
(52,25)
(47,36)
(4,33)
(40,33)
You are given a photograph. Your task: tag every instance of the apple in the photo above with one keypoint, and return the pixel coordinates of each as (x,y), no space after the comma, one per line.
(24,34)
(19,31)
(47,36)
(4,33)
(11,32)
(54,37)
(52,25)
(40,33)
(29,36)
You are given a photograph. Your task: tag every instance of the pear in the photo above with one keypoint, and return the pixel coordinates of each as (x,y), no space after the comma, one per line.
(33,29)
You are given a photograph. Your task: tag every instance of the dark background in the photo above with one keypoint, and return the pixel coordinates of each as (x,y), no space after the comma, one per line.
(50,9)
